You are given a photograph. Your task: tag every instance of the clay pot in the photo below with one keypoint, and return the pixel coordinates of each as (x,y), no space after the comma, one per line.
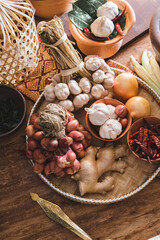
(110,47)
(94,130)
(48,8)
(154,32)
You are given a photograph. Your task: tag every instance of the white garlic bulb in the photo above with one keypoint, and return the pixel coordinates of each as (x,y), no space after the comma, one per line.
(102,27)
(89,56)
(74,87)
(93,63)
(85,85)
(67,105)
(109,80)
(80,100)
(97,91)
(49,93)
(109,9)
(99,113)
(104,66)
(61,91)
(98,76)
(110,129)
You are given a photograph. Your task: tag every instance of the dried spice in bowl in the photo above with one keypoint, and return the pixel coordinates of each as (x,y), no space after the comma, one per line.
(144,138)
(10,115)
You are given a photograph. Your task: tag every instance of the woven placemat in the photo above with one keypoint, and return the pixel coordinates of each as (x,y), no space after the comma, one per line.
(34,84)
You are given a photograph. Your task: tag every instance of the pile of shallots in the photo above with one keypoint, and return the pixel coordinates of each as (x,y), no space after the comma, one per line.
(58,156)
(79,92)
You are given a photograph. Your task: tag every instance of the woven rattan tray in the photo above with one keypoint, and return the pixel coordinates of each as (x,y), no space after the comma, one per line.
(137,175)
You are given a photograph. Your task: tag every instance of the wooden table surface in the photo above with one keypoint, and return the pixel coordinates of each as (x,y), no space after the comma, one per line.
(137,218)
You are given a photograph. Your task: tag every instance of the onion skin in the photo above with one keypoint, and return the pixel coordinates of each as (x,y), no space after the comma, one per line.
(138,107)
(125,86)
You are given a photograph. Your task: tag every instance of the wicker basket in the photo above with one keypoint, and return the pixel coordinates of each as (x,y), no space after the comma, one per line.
(137,175)
(19,45)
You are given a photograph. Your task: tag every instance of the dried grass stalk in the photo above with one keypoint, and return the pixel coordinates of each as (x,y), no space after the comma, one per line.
(55,39)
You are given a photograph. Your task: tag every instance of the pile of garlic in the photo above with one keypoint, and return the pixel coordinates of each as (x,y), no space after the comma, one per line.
(105,117)
(103,25)
(82,90)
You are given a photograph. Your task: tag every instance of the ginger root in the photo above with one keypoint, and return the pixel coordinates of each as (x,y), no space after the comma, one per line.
(92,169)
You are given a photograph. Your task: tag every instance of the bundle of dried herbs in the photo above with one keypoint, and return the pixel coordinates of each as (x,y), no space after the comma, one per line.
(55,39)
(10,115)
(52,120)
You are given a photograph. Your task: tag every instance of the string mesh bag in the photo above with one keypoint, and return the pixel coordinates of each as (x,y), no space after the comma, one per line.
(19,45)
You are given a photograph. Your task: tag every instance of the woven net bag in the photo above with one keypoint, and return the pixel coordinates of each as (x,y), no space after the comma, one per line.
(19,45)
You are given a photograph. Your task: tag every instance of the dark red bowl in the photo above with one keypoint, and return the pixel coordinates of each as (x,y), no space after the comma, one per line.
(10,92)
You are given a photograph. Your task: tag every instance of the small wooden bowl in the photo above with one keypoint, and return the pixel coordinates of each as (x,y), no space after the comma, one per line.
(136,126)
(10,92)
(110,47)
(93,129)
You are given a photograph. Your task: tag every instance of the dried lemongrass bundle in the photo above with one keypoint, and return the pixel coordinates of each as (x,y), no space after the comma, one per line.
(54,37)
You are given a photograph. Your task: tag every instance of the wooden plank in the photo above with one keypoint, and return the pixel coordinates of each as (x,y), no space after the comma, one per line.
(144,11)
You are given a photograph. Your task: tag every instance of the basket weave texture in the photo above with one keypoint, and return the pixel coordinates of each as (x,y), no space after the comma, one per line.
(19,45)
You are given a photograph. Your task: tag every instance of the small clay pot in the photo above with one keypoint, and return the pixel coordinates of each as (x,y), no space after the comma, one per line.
(94,129)
(48,8)
(110,47)
(154,32)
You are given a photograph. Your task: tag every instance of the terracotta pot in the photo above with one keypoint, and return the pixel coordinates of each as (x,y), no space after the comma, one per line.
(48,8)
(110,47)
(94,130)
(154,32)
(136,126)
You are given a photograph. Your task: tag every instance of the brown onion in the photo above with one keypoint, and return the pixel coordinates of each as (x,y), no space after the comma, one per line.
(32,144)
(124,122)
(70,155)
(38,168)
(38,156)
(121,111)
(36,123)
(87,135)
(30,130)
(33,117)
(76,135)
(49,144)
(38,135)
(125,86)
(138,107)
(72,125)
(77,146)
